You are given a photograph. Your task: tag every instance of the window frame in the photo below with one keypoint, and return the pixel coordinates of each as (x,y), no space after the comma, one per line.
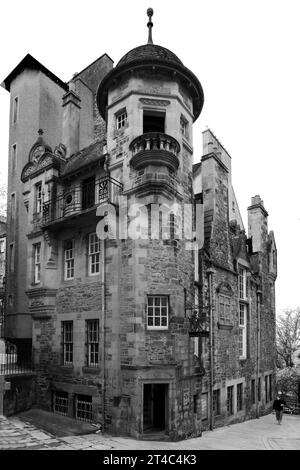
(121,119)
(94,254)
(226,302)
(216,402)
(69,262)
(153,307)
(67,343)
(37,263)
(204,418)
(92,343)
(184,127)
(38,197)
(239,396)
(243,288)
(253,391)
(230,400)
(242,334)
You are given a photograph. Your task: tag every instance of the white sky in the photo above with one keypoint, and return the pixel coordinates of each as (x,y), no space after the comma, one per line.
(246,55)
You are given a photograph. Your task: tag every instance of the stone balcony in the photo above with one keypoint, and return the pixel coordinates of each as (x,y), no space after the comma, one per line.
(155,149)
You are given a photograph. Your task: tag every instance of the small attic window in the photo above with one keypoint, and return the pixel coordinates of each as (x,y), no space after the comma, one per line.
(121,118)
(153,121)
(233,206)
(184,127)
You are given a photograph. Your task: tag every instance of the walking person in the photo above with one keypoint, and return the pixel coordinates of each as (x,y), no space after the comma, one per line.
(278,405)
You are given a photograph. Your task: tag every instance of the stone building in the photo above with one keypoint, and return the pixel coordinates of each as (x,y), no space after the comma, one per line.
(2,270)
(132,324)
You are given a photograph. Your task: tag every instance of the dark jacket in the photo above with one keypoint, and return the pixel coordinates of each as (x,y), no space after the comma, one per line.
(279,404)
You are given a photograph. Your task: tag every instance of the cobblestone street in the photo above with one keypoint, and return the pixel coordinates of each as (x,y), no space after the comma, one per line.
(258,434)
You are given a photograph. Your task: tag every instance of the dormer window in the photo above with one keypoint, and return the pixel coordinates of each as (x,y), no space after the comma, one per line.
(184,127)
(153,121)
(121,119)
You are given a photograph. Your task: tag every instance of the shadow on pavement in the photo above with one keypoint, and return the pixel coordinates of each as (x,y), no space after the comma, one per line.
(55,424)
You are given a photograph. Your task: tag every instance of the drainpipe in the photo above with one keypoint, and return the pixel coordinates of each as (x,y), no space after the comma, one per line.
(103,306)
(210,272)
(258,294)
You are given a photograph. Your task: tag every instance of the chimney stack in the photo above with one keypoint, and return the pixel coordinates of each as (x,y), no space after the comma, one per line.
(71,120)
(257,224)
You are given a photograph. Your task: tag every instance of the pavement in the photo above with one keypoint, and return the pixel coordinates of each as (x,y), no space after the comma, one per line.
(258,434)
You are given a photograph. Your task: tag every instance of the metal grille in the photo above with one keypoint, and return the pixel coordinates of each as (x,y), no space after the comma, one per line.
(88,193)
(61,403)
(67,327)
(92,343)
(84,408)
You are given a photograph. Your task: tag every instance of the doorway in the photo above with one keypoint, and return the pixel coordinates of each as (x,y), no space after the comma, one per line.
(155,413)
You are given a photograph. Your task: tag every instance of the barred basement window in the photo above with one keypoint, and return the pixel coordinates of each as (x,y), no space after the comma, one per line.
(94,254)
(239,397)
(67,342)
(92,332)
(84,408)
(60,403)
(157,312)
(216,402)
(69,259)
(230,410)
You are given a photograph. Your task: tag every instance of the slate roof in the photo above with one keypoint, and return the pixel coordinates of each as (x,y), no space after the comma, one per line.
(149,52)
(87,156)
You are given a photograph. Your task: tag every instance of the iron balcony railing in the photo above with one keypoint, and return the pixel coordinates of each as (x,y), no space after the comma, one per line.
(77,199)
(11,363)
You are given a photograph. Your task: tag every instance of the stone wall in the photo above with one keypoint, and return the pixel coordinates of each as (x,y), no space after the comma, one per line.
(21,396)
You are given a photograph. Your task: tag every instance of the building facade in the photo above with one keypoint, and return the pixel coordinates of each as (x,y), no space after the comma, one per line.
(130,274)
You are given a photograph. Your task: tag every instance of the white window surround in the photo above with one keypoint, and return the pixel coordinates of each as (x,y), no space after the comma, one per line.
(121,119)
(157,312)
(93,254)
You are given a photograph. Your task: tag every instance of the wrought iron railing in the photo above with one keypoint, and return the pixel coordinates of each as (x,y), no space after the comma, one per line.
(11,363)
(78,199)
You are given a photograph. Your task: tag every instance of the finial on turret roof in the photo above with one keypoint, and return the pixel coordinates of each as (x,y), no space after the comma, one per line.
(40,132)
(150,25)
